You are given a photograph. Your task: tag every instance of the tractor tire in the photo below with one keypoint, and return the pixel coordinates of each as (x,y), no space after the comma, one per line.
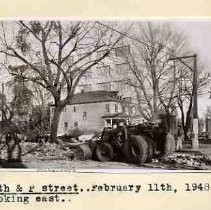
(136,149)
(104,152)
(150,147)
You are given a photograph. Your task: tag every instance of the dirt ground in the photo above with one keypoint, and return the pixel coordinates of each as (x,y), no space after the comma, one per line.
(57,163)
(76,164)
(65,165)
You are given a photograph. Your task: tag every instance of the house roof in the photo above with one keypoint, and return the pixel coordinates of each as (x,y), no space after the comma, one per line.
(94,97)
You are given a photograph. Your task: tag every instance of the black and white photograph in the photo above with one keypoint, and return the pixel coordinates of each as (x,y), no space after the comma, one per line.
(105,94)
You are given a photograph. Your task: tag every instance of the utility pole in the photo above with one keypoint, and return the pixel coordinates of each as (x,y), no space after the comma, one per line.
(195,142)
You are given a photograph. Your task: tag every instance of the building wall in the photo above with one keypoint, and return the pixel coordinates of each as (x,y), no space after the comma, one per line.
(93,120)
(109,77)
(111,74)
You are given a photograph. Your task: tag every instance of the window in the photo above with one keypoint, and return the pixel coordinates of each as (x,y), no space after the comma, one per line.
(108,123)
(128,99)
(132,110)
(116,108)
(39,65)
(74,109)
(38,53)
(65,126)
(75,124)
(122,51)
(120,85)
(103,71)
(122,69)
(69,60)
(105,86)
(84,115)
(88,74)
(123,109)
(107,107)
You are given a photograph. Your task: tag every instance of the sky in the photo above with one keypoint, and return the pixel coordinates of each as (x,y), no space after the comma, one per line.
(199,34)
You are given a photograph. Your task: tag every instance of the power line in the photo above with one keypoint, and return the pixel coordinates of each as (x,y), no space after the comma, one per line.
(135,39)
(124,34)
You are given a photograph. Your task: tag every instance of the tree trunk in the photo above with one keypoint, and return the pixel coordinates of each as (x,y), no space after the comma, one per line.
(155,109)
(182,115)
(168,120)
(188,121)
(187,126)
(170,143)
(55,123)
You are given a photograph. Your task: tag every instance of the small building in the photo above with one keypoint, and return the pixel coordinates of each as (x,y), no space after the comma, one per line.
(91,111)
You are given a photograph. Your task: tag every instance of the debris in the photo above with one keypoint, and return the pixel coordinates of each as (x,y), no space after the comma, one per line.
(86,137)
(47,150)
(73,140)
(187,159)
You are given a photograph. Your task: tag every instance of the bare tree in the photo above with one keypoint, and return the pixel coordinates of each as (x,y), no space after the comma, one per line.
(160,83)
(58,54)
(154,80)
(184,87)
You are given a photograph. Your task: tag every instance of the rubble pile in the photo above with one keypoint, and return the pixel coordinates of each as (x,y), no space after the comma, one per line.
(187,160)
(47,150)
(3,152)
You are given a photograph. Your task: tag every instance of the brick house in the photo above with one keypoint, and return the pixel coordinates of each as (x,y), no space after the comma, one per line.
(91,111)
